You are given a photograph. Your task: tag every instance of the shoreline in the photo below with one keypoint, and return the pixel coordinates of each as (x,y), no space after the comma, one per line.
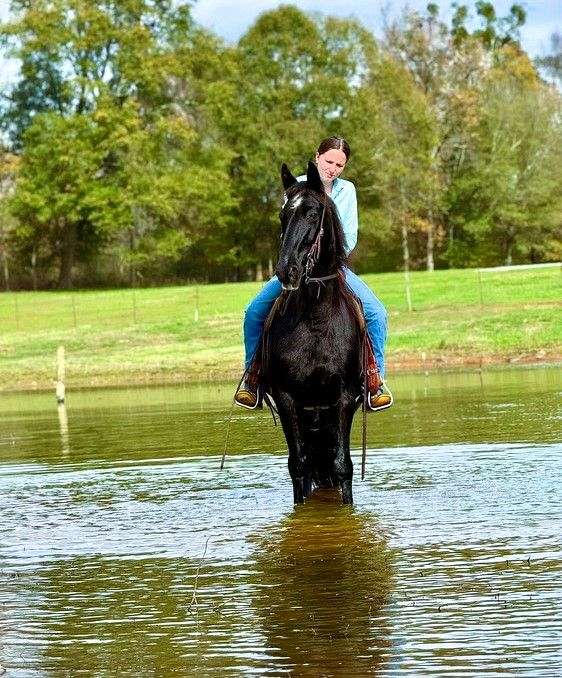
(398,364)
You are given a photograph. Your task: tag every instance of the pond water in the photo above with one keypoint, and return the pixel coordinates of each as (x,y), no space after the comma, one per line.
(124,550)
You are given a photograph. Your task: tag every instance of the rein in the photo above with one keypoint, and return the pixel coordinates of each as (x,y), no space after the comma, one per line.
(314,254)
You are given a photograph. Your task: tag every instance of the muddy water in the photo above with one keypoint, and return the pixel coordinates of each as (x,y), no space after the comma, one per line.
(125,551)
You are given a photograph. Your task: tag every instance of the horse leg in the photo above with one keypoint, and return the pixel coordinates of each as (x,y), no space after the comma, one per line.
(343,466)
(307,484)
(297,457)
(302,481)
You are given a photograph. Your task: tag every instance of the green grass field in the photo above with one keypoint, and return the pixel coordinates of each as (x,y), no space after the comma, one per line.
(114,337)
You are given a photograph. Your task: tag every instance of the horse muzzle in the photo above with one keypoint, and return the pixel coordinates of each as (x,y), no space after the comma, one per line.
(290,277)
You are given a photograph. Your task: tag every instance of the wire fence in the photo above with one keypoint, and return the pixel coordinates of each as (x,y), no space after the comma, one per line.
(113,309)
(483,287)
(116,309)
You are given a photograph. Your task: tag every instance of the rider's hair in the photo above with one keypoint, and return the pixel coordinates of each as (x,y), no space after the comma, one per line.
(339,143)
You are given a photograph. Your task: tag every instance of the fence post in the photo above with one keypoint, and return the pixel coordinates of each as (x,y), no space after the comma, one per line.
(408,292)
(60,390)
(480,287)
(74,311)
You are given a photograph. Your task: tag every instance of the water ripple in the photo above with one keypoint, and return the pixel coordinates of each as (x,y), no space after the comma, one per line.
(156,563)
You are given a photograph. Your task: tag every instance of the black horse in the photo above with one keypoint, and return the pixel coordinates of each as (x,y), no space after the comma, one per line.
(312,348)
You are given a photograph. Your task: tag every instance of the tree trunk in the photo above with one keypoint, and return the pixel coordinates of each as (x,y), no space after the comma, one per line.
(68,250)
(34,269)
(509,247)
(270,267)
(430,241)
(259,272)
(6,269)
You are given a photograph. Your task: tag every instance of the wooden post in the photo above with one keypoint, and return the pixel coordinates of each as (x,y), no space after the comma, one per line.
(74,311)
(60,390)
(63,425)
(408,292)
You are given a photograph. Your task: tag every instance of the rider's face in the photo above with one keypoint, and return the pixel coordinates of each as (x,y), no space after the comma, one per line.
(331,164)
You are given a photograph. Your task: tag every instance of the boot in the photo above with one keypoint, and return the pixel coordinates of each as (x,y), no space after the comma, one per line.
(379,396)
(247,394)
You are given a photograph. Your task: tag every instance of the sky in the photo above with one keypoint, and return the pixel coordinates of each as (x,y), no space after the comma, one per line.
(231,18)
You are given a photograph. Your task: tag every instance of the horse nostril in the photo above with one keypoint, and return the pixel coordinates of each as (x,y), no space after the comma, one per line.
(288,274)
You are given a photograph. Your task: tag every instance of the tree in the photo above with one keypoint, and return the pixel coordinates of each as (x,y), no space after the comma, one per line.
(423,45)
(392,127)
(296,77)
(111,114)
(74,51)
(448,64)
(8,169)
(507,198)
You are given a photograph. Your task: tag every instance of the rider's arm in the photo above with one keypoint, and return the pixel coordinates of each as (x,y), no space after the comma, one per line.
(346,203)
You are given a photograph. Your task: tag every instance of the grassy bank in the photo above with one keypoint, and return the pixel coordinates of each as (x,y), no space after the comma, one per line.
(191,333)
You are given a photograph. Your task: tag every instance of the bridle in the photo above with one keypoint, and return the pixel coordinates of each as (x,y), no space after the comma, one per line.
(314,253)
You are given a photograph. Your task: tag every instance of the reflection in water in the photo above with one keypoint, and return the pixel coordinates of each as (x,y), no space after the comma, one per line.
(63,424)
(149,423)
(458,574)
(325,574)
(106,617)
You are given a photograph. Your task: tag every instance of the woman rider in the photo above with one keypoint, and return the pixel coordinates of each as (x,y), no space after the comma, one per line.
(331,158)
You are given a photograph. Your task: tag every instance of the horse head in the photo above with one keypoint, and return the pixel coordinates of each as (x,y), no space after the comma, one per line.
(311,235)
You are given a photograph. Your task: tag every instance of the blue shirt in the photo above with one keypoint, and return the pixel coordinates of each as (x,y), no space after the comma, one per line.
(345,199)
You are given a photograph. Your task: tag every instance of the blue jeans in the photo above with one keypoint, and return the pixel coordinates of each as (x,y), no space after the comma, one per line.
(258,310)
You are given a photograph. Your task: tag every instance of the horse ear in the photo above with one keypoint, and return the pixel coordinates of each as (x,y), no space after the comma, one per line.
(313,178)
(286,177)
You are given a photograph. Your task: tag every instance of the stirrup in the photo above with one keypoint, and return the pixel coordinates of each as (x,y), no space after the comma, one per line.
(381,407)
(258,404)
